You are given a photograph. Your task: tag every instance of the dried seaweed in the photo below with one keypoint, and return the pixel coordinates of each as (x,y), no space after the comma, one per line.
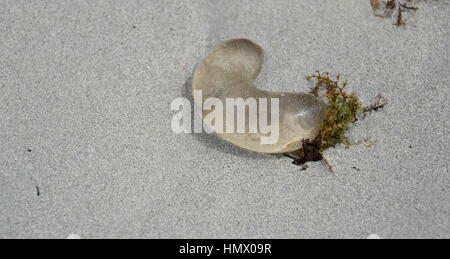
(341,110)
(393,8)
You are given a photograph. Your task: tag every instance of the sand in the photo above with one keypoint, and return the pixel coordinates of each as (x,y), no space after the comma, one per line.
(87,151)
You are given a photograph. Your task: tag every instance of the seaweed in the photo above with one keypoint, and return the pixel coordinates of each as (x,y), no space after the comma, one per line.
(341,111)
(390,8)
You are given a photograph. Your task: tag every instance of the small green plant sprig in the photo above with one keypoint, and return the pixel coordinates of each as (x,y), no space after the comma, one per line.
(341,109)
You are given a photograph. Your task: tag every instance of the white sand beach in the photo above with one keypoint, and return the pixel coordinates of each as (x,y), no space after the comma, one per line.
(87,151)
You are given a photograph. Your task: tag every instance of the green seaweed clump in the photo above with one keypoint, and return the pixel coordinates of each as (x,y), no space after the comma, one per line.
(390,8)
(340,111)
